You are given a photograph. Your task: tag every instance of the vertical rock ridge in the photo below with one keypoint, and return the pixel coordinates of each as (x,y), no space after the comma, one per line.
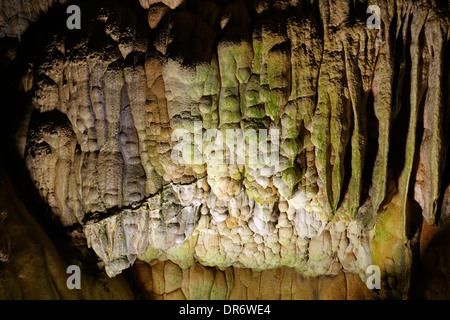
(329,99)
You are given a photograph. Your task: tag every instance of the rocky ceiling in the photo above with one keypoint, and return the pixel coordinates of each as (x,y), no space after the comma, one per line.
(359,117)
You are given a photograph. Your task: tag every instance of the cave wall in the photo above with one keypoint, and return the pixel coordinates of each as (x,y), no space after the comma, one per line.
(361,115)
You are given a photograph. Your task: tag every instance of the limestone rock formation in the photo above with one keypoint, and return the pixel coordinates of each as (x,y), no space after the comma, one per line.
(128,119)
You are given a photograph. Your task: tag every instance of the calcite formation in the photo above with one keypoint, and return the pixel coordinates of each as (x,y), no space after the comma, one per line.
(33,266)
(167,281)
(354,117)
(17,15)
